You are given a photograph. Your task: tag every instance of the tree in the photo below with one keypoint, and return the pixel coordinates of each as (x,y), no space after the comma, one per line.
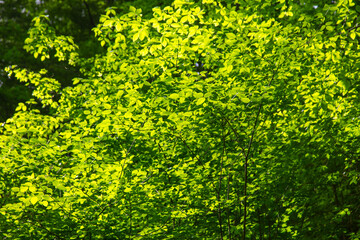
(73,18)
(207,121)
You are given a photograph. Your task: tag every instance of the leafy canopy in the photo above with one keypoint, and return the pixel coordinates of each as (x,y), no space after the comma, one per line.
(207,121)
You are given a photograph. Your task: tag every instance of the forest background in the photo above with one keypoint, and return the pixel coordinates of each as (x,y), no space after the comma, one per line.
(179,119)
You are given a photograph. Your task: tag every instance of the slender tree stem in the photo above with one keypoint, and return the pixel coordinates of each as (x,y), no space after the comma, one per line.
(246,169)
(89,13)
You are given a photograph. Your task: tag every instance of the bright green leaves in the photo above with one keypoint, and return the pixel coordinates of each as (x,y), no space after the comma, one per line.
(23,189)
(245,100)
(45,88)
(174,96)
(200,101)
(155,138)
(140,35)
(42,40)
(287,12)
(34,200)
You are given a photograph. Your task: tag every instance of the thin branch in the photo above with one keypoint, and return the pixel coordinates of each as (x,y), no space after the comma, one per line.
(90,15)
(246,168)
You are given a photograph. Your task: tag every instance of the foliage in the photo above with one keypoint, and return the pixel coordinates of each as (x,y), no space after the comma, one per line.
(74,18)
(207,121)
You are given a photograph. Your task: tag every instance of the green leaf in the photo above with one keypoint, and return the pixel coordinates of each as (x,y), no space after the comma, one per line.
(118,27)
(128,115)
(142,34)
(200,101)
(32,189)
(353,35)
(34,200)
(136,36)
(132,9)
(330,28)
(174,96)
(245,100)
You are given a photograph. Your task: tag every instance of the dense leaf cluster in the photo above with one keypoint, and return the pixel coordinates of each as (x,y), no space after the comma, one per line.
(68,17)
(207,121)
